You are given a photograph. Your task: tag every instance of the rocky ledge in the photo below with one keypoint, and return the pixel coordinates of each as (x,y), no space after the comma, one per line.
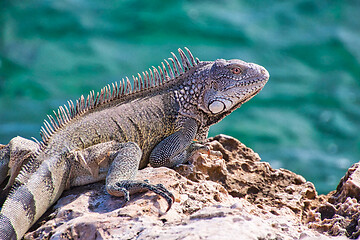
(228,194)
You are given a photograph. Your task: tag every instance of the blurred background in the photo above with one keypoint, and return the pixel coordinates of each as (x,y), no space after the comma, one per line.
(306,119)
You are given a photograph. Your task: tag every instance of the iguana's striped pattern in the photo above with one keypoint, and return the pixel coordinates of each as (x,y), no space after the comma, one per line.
(111,134)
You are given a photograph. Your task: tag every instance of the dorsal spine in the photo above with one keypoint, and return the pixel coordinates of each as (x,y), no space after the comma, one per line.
(149,79)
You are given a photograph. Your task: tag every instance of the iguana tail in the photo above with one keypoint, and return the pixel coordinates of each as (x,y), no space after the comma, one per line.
(39,184)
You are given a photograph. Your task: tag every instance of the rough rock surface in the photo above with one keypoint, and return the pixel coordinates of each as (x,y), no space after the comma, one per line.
(235,196)
(340,214)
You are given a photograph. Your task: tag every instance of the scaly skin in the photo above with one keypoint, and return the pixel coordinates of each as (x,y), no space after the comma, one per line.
(112,135)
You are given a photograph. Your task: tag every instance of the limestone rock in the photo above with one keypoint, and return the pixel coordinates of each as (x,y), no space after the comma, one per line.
(235,196)
(349,185)
(340,214)
(243,175)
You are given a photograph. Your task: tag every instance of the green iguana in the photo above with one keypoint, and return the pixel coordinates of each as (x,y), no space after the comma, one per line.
(113,133)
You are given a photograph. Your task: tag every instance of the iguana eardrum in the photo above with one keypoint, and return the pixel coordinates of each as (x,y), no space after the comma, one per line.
(113,133)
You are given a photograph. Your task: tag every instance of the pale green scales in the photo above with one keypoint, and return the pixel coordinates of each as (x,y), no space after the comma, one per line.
(111,134)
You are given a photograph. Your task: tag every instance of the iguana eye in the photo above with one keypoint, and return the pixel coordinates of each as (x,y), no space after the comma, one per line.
(236,70)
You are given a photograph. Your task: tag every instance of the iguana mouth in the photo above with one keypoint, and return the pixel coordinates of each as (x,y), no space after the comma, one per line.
(255,82)
(249,97)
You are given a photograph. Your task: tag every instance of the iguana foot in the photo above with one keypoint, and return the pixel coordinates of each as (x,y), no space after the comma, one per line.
(198,147)
(13,156)
(127,187)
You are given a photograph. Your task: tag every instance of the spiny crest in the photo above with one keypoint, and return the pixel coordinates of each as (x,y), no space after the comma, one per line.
(154,77)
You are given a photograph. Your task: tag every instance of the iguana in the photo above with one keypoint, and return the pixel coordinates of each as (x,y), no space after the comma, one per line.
(113,133)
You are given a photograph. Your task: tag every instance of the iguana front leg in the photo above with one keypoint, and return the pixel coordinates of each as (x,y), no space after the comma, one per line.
(124,159)
(179,147)
(121,174)
(173,150)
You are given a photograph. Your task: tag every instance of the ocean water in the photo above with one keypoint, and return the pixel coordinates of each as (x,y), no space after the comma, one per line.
(306,119)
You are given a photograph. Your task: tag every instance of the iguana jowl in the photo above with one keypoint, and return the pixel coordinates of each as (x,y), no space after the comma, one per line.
(112,134)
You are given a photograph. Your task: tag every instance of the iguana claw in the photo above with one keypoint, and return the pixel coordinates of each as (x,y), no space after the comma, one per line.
(125,187)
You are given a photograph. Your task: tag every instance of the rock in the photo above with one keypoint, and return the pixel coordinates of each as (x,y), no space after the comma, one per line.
(349,185)
(340,214)
(244,176)
(235,196)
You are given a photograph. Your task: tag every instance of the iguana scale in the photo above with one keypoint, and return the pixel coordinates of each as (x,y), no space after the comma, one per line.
(113,133)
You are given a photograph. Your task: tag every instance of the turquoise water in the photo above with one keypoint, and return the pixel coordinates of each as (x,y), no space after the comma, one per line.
(307,118)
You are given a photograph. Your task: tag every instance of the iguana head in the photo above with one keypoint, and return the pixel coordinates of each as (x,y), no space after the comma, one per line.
(229,84)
